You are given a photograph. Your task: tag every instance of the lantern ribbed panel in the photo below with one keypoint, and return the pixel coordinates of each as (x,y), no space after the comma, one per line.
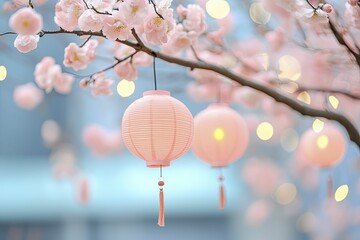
(157,128)
(323,152)
(222,147)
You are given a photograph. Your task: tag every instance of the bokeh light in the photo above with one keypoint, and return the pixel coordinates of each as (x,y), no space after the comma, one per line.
(125,88)
(341,193)
(317,125)
(3,73)
(286,193)
(265,131)
(304,97)
(334,102)
(289,68)
(322,141)
(258,14)
(219,134)
(289,140)
(217,9)
(306,222)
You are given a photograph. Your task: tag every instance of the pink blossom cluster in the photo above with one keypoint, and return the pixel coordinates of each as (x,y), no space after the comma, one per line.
(79,57)
(100,141)
(28,96)
(185,33)
(27,24)
(352,13)
(100,84)
(15,4)
(48,76)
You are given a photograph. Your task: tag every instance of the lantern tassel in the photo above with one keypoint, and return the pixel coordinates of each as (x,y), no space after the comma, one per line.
(222,199)
(330,187)
(161,221)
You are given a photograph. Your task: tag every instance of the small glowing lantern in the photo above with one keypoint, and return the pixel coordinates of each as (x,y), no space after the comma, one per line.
(158,128)
(323,148)
(220,137)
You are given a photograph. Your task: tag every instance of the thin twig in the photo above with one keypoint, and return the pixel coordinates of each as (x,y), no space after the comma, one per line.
(195,53)
(118,61)
(312,6)
(7,33)
(86,41)
(156,11)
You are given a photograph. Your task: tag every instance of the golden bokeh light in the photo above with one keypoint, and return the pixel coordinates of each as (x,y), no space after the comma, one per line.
(334,102)
(341,193)
(289,68)
(217,9)
(219,134)
(125,88)
(265,131)
(306,222)
(322,141)
(304,97)
(317,125)
(258,14)
(289,140)
(3,73)
(286,193)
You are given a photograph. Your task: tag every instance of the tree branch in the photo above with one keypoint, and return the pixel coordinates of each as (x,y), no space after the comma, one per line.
(273,93)
(328,90)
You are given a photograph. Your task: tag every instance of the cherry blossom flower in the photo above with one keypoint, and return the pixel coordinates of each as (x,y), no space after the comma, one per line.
(26,43)
(48,75)
(100,141)
(84,83)
(26,22)
(79,57)
(90,21)
(126,70)
(101,85)
(28,96)
(276,39)
(134,11)
(157,29)
(179,39)
(115,27)
(317,16)
(194,18)
(352,14)
(67,13)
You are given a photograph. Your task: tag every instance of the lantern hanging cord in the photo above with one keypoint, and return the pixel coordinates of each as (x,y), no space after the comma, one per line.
(161,171)
(154,69)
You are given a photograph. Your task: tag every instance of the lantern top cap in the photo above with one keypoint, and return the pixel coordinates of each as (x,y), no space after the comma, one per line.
(156,92)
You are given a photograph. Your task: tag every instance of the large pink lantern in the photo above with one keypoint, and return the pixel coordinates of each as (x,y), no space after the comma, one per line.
(158,129)
(221,137)
(324,148)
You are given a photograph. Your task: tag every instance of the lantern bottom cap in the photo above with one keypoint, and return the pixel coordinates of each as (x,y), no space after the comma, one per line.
(157,163)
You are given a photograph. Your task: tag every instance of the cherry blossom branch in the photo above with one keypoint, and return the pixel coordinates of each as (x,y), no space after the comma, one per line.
(327,90)
(273,93)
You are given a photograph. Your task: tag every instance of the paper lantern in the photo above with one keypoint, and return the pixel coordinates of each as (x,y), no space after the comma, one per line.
(158,128)
(220,137)
(324,148)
